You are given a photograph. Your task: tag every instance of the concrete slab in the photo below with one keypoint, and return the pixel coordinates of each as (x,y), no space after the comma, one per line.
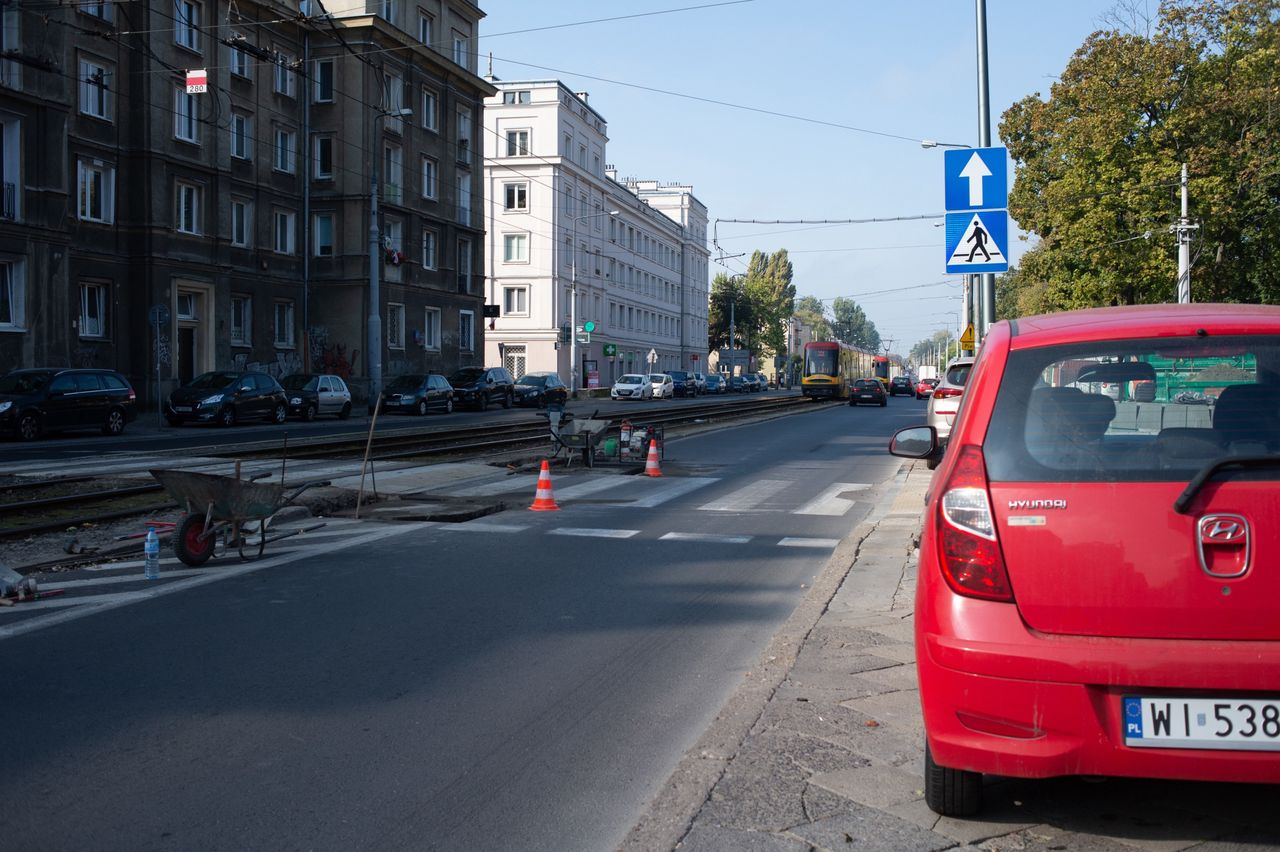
(874,786)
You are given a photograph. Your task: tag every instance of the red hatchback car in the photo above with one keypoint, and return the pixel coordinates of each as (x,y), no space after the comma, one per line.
(1099,575)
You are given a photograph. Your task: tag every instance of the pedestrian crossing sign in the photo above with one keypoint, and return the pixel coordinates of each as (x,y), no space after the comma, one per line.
(978,241)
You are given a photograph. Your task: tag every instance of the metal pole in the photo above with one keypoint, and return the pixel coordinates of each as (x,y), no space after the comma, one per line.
(374,332)
(573,313)
(733,354)
(1184,229)
(988,299)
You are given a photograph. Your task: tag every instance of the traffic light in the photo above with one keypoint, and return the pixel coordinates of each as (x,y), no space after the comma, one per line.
(565,332)
(588,326)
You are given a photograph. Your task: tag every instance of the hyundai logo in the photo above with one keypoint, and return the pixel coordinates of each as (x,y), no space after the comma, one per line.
(1223,529)
(1225,549)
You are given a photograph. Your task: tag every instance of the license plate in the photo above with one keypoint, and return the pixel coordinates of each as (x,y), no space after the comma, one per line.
(1246,724)
(866,396)
(182,408)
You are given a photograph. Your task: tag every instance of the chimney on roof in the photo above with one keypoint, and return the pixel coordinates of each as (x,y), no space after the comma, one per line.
(581,96)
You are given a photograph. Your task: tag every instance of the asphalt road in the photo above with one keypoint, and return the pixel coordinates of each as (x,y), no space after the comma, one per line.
(447,686)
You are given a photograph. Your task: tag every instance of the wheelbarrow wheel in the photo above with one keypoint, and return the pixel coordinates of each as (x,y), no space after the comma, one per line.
(188,544)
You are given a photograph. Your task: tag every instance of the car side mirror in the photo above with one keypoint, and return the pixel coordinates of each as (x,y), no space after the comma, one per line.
(245,388)
(914,442)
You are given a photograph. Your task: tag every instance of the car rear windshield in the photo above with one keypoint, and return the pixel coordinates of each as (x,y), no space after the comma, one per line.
(1134,410)
(467,375)
(958,374)
(867,383)
(532,381)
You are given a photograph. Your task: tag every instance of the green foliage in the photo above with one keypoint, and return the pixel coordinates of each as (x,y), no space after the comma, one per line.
(1098,163)
(810,311)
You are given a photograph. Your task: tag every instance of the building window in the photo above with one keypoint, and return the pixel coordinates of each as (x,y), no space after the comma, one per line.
(241,136)
(323,157)
(239,60)
(12,294)
(184,116)
(324,69)
(428,248)
(464,197)
(241,222)
(430,180)
(568,146)
(388,11)
(431,329)
(100,9)
(188,305)
(10,41)
(429,103)
(96,191)
(284,324)
(515,301)
(464,265)
(426,26)
(520,96)
(395,325)
(515,248)
(464,135)
(517,143)
(186,24)
(187,215)
(283,232)
(286,82)
(286,148)
(95,89)
(93,310)
(392,173)
(322,233)
(393,236)
(241,320)
(460,49)
(466,331)
(515,197)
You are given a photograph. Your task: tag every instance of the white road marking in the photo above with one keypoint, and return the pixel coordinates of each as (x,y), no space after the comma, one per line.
(668,489)
(507,484)
(590,486)
(809,542)
(707,537)
(748,498)
(830,502)
(587,532)
(472,526)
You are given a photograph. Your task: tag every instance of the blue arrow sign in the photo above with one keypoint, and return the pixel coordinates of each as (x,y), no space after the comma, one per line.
(976,178)
(978,241)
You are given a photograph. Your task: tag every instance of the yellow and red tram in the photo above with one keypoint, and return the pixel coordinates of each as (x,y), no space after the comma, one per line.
(830,368)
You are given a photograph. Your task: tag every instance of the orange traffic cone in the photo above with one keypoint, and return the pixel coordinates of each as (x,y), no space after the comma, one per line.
(651,464)
(543,501)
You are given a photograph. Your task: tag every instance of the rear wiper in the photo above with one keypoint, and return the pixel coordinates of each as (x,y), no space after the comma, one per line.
(1206,473)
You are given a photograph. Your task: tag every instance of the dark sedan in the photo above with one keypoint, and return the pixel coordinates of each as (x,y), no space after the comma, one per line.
(36,401)
(416,393)
(716,383)
(226,398)
(901,385)
(540,389)
(868,392)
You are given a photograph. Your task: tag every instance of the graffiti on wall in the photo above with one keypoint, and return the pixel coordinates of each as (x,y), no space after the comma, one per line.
(84,356)
(284,364)
(160,349)
(329,357)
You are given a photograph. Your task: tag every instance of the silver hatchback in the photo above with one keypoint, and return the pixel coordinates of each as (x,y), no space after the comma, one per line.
(945,401)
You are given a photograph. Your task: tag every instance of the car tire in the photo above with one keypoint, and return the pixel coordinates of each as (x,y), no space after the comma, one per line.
(188,545)
(174,421)
(309,413)
(279,414)
(448,406)
(227,416)
(345,412)
(506,401)
(422,408)
(951,792)
(28,427)
(115,422)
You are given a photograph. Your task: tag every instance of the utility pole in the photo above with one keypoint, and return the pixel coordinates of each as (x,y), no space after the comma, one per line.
(1183,229)
(986,316)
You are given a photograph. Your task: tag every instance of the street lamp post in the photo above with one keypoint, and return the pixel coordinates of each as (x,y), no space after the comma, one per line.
(374,329)
(573,301)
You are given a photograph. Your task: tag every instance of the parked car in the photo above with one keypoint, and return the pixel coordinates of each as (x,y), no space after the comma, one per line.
(540,389)
(632,386)
(751,382)
(901,385)
(227,398)
(868,392)
(479,386)
(924,389)
(311,394)
(715,383)
(764,381)
(738,384)
(944,404)
(699,382)
(663,386)
(682,383)
(1097,595)
(37,401)
(416,393)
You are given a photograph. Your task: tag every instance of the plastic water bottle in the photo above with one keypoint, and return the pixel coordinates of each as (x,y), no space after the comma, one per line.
(151,555)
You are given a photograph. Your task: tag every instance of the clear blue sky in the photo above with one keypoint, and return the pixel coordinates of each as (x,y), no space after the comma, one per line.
(898,69)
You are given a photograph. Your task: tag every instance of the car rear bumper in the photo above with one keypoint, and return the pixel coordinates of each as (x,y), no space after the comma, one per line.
(999,698)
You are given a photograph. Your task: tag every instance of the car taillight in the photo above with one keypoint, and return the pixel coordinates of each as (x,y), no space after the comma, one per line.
(132,395)
(968,550)
(943,393)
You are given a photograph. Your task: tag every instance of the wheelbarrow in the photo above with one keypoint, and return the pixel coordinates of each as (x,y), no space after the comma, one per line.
(581,435)
(225,509)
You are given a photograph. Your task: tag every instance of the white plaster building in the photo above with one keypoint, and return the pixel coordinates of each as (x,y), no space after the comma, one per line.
(641,274)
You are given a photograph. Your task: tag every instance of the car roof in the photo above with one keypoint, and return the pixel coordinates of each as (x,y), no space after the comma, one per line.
(1166,320)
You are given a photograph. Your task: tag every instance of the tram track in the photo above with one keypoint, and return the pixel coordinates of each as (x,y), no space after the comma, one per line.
(49,505)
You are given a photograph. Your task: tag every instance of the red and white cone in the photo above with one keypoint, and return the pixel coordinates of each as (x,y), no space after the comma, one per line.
(543,501)
(651,467)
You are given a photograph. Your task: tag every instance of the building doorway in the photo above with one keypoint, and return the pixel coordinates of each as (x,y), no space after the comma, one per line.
(193,353)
